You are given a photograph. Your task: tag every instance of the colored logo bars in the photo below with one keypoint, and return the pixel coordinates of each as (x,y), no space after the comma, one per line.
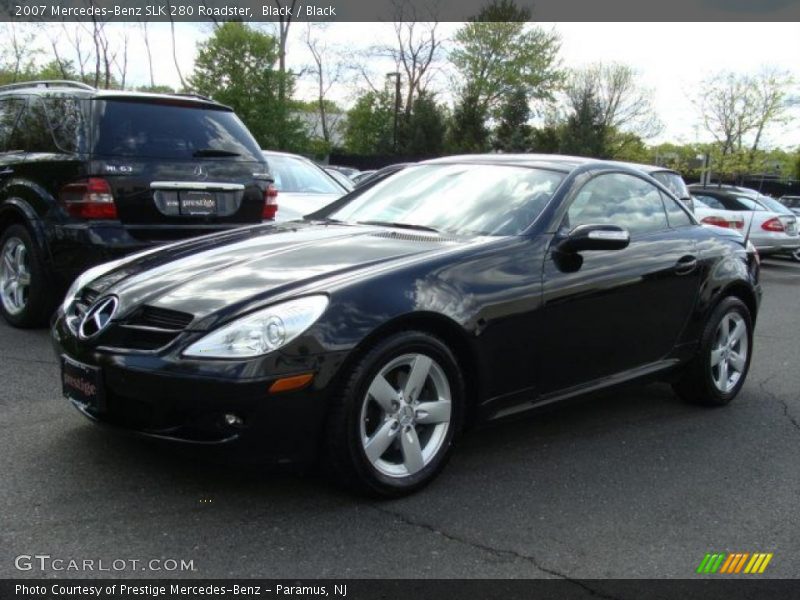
(736,562)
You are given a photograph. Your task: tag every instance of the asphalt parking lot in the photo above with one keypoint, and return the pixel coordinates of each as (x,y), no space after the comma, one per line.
(634,484)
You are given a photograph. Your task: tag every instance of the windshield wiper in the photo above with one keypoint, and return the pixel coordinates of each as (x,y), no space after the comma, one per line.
(213,152)
(399,225)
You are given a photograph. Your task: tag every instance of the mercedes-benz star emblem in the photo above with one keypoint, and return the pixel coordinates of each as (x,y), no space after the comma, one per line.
(98,317)
(199,172)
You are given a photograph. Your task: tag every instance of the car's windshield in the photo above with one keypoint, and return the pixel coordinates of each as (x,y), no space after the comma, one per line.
(162,130)
(457,198)
(750,203)
(295,175)
(775,205)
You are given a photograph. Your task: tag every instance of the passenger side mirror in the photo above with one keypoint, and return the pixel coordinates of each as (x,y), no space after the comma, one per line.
(594,237)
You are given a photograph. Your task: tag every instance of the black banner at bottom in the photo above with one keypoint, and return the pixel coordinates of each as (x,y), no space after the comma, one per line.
(399,589)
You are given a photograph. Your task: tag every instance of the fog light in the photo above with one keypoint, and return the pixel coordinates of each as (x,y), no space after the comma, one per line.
(232,420)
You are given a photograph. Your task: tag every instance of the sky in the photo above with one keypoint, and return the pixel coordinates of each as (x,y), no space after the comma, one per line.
(671,59)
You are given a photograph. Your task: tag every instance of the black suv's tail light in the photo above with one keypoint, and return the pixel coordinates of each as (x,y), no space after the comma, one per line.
(89,199)
(270,203)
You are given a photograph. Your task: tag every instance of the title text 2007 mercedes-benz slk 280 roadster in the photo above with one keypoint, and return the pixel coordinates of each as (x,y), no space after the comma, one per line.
(370,333)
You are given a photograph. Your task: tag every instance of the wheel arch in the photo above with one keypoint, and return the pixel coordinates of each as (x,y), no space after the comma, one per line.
(442,327)
(742,291)
(15,211)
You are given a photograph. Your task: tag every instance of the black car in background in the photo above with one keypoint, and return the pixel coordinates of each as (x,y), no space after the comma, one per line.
(368,334)
(90,175)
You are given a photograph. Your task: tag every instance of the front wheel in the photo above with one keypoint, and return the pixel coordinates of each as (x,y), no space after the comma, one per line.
(24,300)
(392,428)
(718,372)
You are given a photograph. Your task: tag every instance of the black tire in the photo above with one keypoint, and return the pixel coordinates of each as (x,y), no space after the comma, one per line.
(345,458)
(697,383)
(39,304)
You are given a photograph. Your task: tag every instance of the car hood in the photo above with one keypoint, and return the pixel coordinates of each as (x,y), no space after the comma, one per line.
(241,269)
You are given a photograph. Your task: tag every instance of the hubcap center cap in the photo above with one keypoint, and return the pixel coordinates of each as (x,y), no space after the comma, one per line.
(405,415)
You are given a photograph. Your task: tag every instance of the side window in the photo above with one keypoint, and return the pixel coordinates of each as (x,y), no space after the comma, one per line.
(67,122)
(619,199)
(33,132)
(9,113)
(676,216)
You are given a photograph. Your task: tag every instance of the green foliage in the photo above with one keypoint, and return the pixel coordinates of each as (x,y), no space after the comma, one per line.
(468,132)
(584,133)
(422,134)
(235,66)
(498,53)
(370,124)
(546,139)
(513,134)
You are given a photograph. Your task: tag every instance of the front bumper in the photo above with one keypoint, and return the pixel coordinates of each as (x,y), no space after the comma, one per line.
(153,397)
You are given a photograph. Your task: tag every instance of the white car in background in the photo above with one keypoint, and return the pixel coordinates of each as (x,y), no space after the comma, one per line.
(303,187)
(718,216)
(771,232)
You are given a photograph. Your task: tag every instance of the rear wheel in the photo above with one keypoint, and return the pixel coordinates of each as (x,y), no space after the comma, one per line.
(392,428)
(716,375)
(24,298)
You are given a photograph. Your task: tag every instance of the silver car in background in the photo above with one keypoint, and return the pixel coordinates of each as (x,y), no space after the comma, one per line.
(303,187)
(770,231)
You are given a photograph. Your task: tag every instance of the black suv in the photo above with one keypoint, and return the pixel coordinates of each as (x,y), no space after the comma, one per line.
(89,175)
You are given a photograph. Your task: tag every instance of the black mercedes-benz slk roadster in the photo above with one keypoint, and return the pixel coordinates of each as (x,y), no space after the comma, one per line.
(369,334)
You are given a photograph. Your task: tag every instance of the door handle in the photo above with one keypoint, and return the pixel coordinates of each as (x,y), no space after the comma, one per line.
(7,171)
(686,265)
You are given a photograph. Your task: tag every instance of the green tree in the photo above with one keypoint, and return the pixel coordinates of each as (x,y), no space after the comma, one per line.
(498,53)
(547,139)
(235,66)
(370,124)
(468,131)
(423,132)
(796,167)
(584,133)
(513,134)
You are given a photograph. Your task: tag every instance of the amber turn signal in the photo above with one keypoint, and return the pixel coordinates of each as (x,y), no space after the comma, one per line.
(288,384)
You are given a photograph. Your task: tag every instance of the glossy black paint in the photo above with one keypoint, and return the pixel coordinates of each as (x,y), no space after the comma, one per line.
(33,170)
(527,329)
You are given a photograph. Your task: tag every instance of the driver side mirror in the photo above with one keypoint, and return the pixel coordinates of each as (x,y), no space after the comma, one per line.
(594,237)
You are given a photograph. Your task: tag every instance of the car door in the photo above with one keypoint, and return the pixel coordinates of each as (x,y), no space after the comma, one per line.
(613,312)
(12,152)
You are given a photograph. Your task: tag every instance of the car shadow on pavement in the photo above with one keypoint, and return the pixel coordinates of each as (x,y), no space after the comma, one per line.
(113,459)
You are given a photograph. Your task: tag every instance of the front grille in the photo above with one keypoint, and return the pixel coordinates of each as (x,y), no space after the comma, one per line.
(147,329)
(152,316)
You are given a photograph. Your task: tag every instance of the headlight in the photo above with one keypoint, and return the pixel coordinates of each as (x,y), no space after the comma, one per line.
(85,278)
(261,332)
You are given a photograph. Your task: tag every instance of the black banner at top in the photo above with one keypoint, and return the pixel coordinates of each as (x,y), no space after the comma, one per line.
(392,10)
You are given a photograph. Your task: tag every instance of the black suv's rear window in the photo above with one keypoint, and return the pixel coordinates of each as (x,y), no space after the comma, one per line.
(160,130)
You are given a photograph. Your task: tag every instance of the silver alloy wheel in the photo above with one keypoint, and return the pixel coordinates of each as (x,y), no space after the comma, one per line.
(15,276)
(405,415)
(729,354)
